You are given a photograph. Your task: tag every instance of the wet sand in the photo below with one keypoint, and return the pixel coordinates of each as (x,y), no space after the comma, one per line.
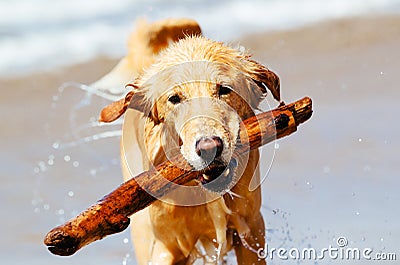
(337,176)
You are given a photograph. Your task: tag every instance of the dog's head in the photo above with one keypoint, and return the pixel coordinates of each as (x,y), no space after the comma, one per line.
(200,91)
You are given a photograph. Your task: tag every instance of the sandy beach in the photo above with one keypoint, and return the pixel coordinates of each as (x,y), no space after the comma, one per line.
(337,176)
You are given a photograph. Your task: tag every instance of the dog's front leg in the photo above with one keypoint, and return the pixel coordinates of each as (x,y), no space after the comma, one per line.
(218,212)
(248,241)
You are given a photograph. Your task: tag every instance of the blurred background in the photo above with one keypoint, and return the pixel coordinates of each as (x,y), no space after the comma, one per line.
(42,34)
(337,176)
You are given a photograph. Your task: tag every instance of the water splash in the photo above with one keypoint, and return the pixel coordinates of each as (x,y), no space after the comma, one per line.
(74,153)
(233,195)
(247,244)
(127,259)
(109,95)
(87,139)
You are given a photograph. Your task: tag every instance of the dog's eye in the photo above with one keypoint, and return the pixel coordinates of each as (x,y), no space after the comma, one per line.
(174,99)
(224,90)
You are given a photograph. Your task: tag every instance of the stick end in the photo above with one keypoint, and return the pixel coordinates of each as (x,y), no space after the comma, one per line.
(61,243)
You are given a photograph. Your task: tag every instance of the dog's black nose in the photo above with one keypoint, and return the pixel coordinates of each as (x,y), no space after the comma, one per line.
(209,148)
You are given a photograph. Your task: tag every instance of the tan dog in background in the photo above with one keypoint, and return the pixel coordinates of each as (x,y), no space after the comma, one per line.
(196,91)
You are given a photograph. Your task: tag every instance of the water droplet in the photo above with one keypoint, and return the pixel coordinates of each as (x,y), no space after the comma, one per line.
(46,207)
(127,258)
(126,240)
(367,168)
(360,140)
(50,162)
(381,239)
(56,145)
(363,239)
(71,193)
(75,164)
(60,212)
(357,213)
(276,145)
(36,170)
(93,172)
(326,169)
(42,166)
(381,73)
(67,158)
(310,185)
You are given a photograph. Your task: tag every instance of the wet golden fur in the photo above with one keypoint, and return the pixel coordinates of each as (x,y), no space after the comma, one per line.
(193,68)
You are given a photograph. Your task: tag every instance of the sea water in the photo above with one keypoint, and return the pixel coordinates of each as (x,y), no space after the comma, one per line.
(41,34)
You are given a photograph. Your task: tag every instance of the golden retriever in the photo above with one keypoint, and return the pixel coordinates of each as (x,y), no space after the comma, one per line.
(190,95)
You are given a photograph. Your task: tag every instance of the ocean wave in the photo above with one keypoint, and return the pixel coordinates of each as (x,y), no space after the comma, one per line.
(43,34)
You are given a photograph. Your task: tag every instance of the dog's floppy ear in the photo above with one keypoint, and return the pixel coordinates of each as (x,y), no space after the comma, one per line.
(143,104)
(265,78)
(135,100)
(113,111)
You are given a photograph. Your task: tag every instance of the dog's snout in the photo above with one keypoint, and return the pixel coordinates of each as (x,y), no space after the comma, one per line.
(209,148)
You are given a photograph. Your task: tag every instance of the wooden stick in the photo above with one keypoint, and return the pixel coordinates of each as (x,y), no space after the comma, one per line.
(111,214)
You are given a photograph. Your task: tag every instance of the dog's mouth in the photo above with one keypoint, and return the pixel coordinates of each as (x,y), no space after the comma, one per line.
(218,176)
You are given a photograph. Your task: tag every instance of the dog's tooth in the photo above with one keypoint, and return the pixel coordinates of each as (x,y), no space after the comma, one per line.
(206,177)
(226,173)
